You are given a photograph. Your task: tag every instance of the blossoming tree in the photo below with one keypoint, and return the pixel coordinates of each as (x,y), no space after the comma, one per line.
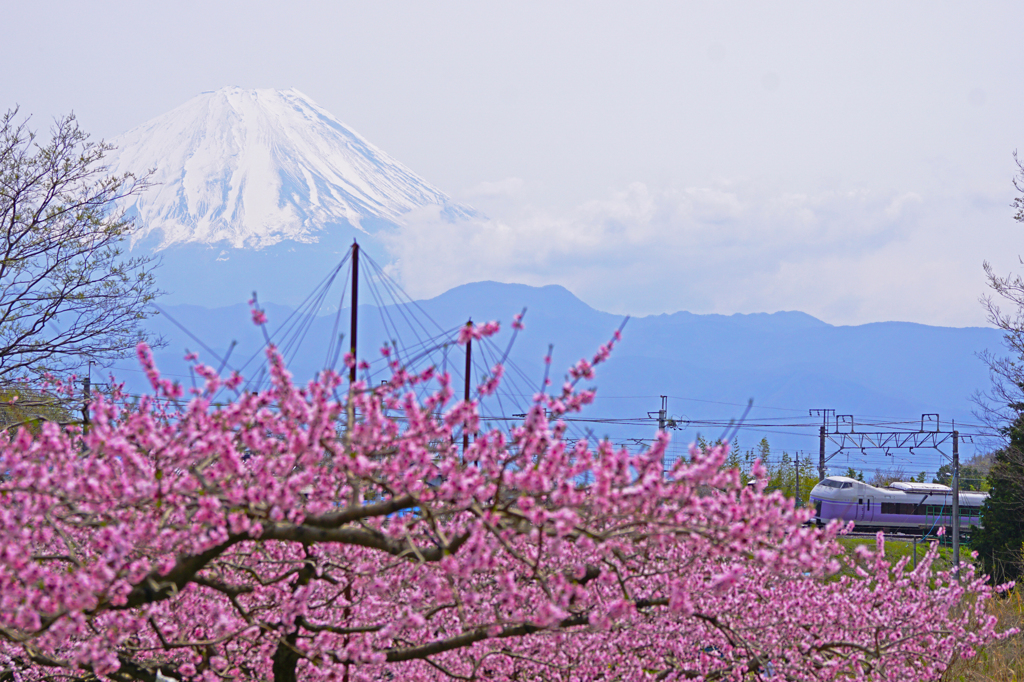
(342,533)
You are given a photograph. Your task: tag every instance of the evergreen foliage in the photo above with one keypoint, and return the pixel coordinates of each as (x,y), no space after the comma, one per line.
(970,477)
(1000,540)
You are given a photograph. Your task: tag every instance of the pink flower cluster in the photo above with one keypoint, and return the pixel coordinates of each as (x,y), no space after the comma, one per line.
(322,534)
(480,331)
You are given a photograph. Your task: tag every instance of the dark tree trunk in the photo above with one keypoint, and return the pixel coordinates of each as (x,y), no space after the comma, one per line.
(286,659)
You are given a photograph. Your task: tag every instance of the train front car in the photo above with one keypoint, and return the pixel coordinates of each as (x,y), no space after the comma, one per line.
(907,507)
(834,499)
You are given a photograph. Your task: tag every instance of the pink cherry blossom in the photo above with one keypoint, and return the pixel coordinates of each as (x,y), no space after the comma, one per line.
(470,331)
(340,532)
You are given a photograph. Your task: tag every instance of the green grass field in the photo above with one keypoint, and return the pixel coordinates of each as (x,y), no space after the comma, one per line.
(897,547)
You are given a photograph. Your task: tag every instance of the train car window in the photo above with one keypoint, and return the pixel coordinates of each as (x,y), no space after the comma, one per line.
(860,500)
(847,485)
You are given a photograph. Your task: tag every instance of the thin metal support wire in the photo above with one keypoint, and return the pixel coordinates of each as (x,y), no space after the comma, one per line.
(488,351)
(437,345)
(379,293)
(192,336)
(512,378)
(428,348)
(387,323)
(387,318)
(336,343)
(398,294)
(305,323)
(298,326)
(485,352)
(325,282)
(291,348)
(395,286)
(410,322)
(515,370)
(423,349)
(309,302)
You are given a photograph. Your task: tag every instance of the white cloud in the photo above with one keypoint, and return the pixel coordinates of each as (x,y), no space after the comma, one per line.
(848,257)
(501,188)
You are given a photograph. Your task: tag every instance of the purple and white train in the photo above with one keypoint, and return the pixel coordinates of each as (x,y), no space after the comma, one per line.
(919,508)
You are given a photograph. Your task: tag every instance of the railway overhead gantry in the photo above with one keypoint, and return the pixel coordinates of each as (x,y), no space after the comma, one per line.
(844,435)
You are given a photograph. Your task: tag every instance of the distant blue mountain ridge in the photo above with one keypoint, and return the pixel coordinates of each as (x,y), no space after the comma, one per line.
(708,366)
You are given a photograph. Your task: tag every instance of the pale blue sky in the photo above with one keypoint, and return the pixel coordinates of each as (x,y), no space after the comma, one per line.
(851,160)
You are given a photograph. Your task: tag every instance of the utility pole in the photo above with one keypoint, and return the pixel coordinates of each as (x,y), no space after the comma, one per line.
(355,309)
(469,367)
(86,392)
(821,453)
(796,484)
(663,419)
(824,413)
(956,503)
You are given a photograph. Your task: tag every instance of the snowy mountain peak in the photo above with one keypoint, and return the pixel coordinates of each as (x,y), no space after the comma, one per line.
(251,168)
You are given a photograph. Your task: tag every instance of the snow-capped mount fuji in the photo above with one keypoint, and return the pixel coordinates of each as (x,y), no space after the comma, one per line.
(260,187)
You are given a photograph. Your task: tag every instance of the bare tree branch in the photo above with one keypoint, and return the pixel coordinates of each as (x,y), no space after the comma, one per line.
(68,294)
